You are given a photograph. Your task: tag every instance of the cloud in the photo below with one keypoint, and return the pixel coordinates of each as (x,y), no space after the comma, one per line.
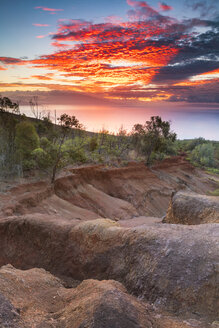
(148,56)
(184,70)
(41,36)
(10,61)
(40,25)
(50,10)
(197,93)
(205,8)
(55,96)
(42,77)
(164,7)
(142,11)
(141,4)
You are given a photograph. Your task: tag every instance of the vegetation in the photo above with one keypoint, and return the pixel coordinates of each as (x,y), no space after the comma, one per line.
(215,192)
(26,140)
(7,105)
(39,145)
(202,153)
(152,137)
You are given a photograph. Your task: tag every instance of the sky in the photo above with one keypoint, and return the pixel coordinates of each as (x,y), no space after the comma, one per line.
(115,62)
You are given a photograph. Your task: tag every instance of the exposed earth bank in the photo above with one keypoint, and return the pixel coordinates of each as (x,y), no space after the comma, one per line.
(116,193)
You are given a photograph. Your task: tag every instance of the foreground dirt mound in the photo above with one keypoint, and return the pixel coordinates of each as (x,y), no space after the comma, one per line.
(175,267)
(41,301)
(191,208)
(96,191)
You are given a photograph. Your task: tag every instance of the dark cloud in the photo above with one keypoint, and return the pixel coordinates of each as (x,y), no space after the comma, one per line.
(184,70)
(203,7)
(10,60)
(206,93)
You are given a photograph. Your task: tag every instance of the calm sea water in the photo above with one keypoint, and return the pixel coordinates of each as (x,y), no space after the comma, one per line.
(187,122)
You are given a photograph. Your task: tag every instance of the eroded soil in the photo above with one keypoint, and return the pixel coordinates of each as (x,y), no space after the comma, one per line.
(109,259)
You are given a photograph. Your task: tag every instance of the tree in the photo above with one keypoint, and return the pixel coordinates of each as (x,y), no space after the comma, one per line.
(26,140)
(67,123)
(123,142)
(152,136)
(34,107)
(191,144)
(8,123)
(6,105)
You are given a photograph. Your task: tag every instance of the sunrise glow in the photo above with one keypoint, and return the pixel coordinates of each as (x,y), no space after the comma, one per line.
(133,52)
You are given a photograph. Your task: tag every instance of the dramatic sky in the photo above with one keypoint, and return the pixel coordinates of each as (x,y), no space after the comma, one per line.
(115,62)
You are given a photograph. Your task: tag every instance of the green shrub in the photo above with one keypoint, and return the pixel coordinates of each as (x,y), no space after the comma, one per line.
(26,140)
(203,154)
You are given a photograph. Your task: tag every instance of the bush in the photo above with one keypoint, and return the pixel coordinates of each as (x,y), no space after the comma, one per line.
(26,140)
(203,154)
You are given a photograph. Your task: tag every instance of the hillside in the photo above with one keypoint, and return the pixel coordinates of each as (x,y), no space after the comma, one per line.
(92,191)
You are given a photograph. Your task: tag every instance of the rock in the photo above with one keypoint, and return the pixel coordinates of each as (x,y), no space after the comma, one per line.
(191,208)
(172,266)
(44,302)
(9,316)
(103,304)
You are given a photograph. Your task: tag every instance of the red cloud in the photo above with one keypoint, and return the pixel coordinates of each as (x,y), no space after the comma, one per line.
(116,62)
(118,52)
(141,10)
(164,7)
(87,32)
(48,9)
(115,52)
(137,3)
(40,25)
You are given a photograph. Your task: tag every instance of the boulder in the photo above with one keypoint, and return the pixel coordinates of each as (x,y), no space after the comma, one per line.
(191,208)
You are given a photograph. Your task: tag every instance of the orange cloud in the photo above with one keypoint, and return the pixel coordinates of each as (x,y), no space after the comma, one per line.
(204,78)
(41,77)
(105,62)
(215,71)
(196,83)
(97,58)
